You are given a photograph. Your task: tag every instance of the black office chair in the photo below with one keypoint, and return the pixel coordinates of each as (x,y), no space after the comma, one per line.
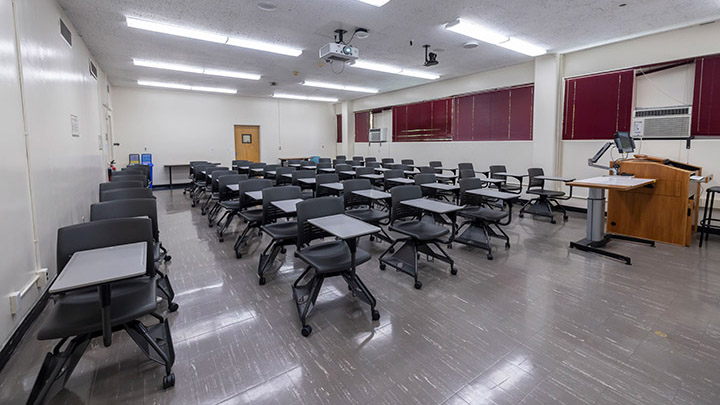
(370,159)
(324,165)
(119,185)
(373,165)
(75,317)
(364,170)
(392,174)
(419,235)
(228,202)
(118,177)
(191,174)
(324,179)
(426,178)
(547,201)
(361,208)
(212,196)
(325,160)
(281,180)
(336,162)
(294,162)
(140,207)
(247,211)
(327,259)
(343,168)
(270,168)
(407,162)
(307,165)
(252,173)
(341,157)
(505,186)
(467,173)
(427,169)
(481,216)
(282,233)
(304,174)
(436,165)
(200,181)
(125,193)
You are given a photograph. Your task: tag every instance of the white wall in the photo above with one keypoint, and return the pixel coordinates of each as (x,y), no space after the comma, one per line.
(61,175)
(177,127)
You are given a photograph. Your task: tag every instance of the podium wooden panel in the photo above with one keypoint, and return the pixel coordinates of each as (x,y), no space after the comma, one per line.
(667,212)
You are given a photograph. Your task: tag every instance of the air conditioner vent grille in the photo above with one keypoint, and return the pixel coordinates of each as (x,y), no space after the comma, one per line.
(662,112)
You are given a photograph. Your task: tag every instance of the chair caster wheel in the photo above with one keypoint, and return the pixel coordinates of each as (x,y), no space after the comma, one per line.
(375,315)
(521,215)
(565,218)
(489,257)
(372,238)
(382,266)
(306,330)
(507,246)
(238,255)
(168,258)
(391,250)
(202,213)
(169,381)
(283,250)
(192,205)
(172,307)
(453,271)
(552,221)
(210,226)
(221,240)
(418,285)
(262,281)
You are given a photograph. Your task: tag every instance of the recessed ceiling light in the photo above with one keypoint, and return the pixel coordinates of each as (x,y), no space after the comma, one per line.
(362,33)
(195,69)
(339,87)
(470,45)
(179,86)
(212,37)
(395,70)
(376,3)
(309,98)
(267,6)
(438,50)
(475,31)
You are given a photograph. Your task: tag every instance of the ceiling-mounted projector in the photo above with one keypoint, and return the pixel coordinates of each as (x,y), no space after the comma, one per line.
(339,52)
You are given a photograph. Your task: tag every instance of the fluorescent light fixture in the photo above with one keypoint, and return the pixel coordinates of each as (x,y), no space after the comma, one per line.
(309,98)
(396,70)
(471,30)
(475,31)
(376,3)
(210,36)
(175,30)
(264,46)
(523,47)
(420,74)
(195,69)
(339,87)
(178,86)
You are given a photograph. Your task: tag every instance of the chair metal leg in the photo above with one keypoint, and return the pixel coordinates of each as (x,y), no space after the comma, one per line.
(165,290)
(158,338)
(356,285)
(305,296)
(57,369)
(267,259)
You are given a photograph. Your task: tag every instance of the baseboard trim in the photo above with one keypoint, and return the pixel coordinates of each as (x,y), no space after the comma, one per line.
(19,333)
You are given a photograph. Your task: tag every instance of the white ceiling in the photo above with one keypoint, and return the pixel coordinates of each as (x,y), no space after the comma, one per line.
(557,25)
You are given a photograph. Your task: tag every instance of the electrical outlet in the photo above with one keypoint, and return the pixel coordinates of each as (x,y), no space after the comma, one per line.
(43,278)
(15,298)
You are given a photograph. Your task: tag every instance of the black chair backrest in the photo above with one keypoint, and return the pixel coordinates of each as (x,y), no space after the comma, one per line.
(193,164)
(469,183)
(387,160)
(256,165)
(224,192)
(270,212)
(351,199)
(101,234)
(435,163)
(302,174)
(325,160)
(343,168)
(341,157)
(425,178)
(269,168)
(467,173)
(125,193)
(130,208)
(283,170)
(211,172)
(324,165)
(251,185)
(307,163)
(323,179)
(145,169)
(314,208)
(370,159)
(336,162)
(497,169)
(128,177)
(373,164)
(294,161)
(402,211)
(217,175)
(393,174)
(117,185)
(534,172)
(364,170)
(427,169)
(465,166)
(407,162)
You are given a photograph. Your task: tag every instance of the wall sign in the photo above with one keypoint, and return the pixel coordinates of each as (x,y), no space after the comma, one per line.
(74,126)
(246,138)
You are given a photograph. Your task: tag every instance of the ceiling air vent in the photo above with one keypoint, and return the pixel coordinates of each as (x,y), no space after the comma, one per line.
(65,32)
(93,70)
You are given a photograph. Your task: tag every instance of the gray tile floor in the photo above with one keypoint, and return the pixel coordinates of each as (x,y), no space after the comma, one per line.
(540,324)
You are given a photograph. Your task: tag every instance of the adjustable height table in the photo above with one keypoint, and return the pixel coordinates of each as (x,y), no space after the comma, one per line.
(596,238)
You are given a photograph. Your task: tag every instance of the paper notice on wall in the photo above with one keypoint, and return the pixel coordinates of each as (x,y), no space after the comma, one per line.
(100,142)
(74,126)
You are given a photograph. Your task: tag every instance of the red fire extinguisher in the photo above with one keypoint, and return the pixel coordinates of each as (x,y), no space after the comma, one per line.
(111,169)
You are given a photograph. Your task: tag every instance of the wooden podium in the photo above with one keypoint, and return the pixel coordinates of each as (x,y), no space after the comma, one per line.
(667,212)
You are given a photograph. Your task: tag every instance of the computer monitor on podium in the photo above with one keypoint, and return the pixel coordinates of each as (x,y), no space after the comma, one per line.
(624,142)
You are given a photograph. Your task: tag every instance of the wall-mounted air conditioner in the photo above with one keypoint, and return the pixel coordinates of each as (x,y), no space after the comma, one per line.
(378,135)
(662,123)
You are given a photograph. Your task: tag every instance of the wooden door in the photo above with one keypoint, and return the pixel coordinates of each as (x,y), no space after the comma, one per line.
(247,143)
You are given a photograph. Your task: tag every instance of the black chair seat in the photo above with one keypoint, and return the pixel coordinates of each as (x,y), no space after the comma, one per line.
(332,256)
(252,215)
(483,213)
(230,204)
(281,230)
(420,230)
(713,189)
(546,193)
(79,313)
(368,215)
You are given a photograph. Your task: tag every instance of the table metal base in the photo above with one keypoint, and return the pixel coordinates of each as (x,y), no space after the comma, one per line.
(595,247)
